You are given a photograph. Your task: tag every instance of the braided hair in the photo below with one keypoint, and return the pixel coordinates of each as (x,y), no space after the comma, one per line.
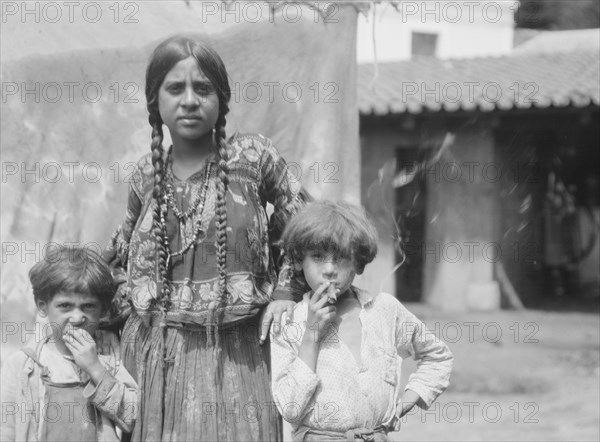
(163,59)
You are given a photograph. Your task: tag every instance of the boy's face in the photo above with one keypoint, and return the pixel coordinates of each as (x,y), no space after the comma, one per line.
(79,310)
(321,267)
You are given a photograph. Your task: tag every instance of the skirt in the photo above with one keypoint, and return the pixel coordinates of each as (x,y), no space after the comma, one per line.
(189,391)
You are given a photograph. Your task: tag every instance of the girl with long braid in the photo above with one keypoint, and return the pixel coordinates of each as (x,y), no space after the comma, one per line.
(196,248)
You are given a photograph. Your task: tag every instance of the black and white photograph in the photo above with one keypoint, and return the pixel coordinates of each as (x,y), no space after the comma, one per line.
(300,220)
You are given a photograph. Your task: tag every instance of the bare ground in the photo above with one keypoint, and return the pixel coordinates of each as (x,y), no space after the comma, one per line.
(526,375)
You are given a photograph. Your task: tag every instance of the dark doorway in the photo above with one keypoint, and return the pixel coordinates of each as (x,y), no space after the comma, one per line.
(549,194)
(410,211)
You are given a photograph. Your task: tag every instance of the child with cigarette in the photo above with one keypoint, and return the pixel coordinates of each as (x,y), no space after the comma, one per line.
(336,367)
(58,388)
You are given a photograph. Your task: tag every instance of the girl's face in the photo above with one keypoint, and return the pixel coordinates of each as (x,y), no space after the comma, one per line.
(187,102)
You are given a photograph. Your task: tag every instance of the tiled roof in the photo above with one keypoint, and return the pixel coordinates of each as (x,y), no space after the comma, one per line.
(428,84)
(559,41)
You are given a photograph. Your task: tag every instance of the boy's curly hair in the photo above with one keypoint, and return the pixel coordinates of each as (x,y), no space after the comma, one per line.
(339,228)
(72,269)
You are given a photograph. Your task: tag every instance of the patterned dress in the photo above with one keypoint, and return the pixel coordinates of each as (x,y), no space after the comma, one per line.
(190,389)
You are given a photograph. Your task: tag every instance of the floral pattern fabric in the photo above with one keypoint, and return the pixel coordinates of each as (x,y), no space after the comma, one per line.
(189,388)
(257,176)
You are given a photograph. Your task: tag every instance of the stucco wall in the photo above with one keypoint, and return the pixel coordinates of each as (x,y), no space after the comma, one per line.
(461,221)
(461,244)
(74,118)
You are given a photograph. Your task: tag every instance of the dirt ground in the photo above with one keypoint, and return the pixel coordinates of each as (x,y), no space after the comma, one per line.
(519,376)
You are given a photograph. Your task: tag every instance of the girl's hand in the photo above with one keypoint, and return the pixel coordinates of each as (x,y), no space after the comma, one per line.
(83,348)
(108,343)
(321,312)
(273,313)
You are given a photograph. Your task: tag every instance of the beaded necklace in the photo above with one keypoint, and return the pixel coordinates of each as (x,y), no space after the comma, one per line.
(196,207)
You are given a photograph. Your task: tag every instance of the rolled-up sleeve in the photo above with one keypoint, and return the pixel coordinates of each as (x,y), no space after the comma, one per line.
(294,383)
(434,359)
(116,397)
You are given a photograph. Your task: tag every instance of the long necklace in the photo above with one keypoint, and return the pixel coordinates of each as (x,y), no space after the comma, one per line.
(195,208)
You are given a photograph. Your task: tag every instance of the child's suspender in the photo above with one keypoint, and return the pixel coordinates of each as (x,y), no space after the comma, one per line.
(35,358)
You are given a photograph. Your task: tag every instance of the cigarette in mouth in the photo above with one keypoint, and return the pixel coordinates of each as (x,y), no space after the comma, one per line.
(332,293)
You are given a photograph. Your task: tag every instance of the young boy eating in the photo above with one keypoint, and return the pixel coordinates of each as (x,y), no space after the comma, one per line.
(58,388)
(336,367)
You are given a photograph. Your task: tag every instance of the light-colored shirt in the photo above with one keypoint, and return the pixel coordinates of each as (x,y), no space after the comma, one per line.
(23,394)
(344,393)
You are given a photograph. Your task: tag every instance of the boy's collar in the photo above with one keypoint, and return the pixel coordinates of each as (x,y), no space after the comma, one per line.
(364,297)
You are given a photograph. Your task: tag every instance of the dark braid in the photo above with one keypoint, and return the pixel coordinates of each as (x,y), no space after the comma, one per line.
(221,207)
(158,229)
(221,234)
(163,59)
(158,195)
